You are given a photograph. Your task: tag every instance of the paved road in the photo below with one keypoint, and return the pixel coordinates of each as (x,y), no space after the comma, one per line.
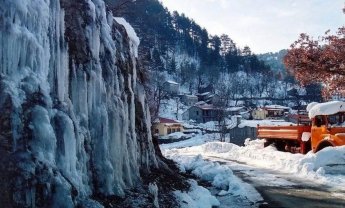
(282,190)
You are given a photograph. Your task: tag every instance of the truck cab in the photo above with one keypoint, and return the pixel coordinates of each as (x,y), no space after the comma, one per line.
(328,130)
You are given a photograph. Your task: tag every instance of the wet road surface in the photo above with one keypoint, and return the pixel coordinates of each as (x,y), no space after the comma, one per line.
(283,190)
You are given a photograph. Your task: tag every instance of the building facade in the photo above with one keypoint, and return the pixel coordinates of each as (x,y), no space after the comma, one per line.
(165,126)
(203,114)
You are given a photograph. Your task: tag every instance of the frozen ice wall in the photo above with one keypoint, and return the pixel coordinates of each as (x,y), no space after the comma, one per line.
(73,117)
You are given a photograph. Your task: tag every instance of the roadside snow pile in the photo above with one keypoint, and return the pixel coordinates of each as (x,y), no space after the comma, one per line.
(328,160)
(326,167)
(198,197)
(220,176)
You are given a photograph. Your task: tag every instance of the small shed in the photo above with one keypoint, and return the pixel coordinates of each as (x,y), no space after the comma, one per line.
(276,111)
(171,87)
(165,126)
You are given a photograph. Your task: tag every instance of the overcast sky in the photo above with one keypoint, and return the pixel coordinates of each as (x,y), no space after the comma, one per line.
(263,25)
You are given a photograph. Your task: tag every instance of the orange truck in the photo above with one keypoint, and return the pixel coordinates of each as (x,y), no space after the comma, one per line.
(327,128)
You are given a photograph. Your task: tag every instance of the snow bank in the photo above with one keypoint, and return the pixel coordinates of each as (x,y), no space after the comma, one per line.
(220,176)
(328,160)
(197,197)
(327,108)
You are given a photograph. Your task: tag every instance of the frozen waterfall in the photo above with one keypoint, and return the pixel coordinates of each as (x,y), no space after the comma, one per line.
(74,121)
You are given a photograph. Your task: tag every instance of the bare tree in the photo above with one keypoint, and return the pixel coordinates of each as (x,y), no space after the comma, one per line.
(155,93)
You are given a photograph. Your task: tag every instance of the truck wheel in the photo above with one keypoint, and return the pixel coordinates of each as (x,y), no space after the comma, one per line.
(322,145)
(280,145)
(267,143)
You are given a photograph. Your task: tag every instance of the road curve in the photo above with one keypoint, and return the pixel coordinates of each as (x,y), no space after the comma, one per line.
(282,190)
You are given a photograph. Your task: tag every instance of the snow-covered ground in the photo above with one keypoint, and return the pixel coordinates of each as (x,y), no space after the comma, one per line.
(325,168)
(210,160)
(169,108)
(255,123)
(197,197)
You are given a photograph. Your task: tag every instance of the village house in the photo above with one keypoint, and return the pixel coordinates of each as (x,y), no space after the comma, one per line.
(189,99)
(270,112)
(165,126)
(276,111)
(171,87)
(202,113)
(259,114)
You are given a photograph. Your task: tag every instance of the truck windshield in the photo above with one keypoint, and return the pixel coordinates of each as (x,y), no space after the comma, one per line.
(336,119)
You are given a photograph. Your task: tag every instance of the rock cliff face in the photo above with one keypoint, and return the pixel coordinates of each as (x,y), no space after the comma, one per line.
(73,117)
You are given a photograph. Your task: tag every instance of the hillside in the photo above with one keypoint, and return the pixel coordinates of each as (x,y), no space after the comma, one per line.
(275,60)
(174,47)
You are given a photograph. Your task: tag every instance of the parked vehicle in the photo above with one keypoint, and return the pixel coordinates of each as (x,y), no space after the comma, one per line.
(327,128)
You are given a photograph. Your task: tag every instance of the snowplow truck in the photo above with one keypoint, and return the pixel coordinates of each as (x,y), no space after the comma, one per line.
(327,128)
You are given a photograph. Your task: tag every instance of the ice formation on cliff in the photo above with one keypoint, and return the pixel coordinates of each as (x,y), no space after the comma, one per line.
(71,107)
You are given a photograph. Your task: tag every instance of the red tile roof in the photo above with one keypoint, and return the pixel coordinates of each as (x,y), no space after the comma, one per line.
(166,120)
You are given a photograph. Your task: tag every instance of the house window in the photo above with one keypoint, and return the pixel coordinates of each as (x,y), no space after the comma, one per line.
(178,130)
(169,130)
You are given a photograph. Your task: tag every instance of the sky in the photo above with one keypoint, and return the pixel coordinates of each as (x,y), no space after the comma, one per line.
(263,25)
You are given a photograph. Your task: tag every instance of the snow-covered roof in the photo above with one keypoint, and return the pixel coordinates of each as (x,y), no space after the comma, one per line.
(310,105)
(276,107)
(167,120)
(328,108)
(204,94)
(191,96)
(236,108)
(172,82)
(206,106)
(200,103)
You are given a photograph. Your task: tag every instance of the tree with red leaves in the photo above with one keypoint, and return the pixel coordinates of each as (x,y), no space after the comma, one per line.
(319,61)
